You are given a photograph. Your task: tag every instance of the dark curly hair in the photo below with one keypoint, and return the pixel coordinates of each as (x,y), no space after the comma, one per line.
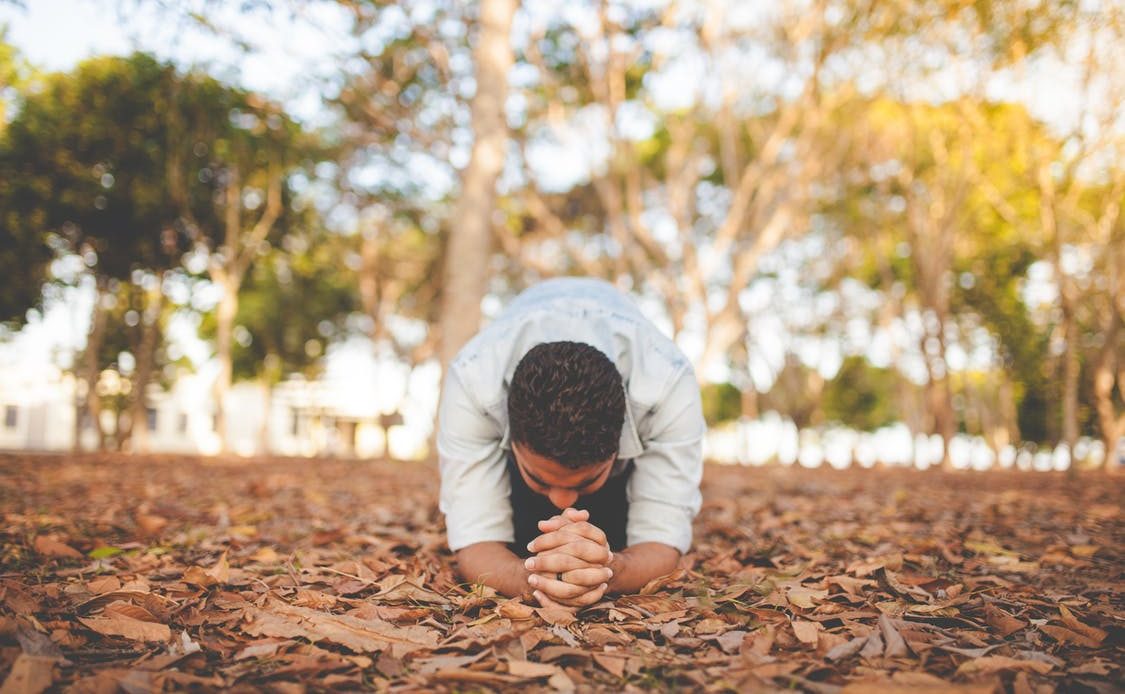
(567,403)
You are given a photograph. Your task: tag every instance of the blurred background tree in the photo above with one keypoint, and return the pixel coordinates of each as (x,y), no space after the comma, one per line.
(838,208)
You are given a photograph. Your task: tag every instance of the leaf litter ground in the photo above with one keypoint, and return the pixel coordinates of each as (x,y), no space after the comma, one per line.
(156,573)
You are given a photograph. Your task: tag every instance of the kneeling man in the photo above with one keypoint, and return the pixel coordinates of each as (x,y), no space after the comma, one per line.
(570,445)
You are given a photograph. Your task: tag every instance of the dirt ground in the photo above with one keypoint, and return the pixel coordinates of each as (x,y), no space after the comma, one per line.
(160,573)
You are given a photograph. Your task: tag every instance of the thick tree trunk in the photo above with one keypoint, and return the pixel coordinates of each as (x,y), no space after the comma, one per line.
(749,402)
(225,314)
(1105,376)
(264,447)
(1070,382)
(90,370)
(939,397)
(146,361)
(470,231)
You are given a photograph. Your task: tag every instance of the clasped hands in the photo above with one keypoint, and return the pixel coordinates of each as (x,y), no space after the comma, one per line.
(570,568)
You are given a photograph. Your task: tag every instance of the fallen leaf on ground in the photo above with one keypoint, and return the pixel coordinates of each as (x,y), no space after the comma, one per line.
(50,547)
(30,674)
(128,627)
(998,663)
(358,635)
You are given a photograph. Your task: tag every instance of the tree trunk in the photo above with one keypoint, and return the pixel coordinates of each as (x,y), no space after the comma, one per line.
(90,370)
(264,447)
(1070,381)
(225,314)
(944,418)
(146,359)
(749,402)
(939,396)
(470,231)
(1105,375)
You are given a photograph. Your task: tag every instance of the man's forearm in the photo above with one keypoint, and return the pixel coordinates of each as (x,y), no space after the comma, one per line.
(635,566)
(494,565)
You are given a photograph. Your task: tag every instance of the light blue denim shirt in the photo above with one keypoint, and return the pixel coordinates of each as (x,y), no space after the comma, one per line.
(662,433)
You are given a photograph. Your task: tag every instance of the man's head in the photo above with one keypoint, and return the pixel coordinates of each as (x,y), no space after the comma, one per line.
(566,406)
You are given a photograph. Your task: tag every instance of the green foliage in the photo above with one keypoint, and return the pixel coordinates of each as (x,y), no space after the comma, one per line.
(83,165)
(294,302)
(997,275)
(722,402)
(861,396)
(15,75)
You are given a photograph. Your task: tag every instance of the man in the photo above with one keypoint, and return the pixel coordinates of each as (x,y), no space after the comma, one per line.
(569,441)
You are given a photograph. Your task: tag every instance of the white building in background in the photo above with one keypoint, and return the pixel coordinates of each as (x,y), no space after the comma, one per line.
(337,418)
(303,418)
(36,410)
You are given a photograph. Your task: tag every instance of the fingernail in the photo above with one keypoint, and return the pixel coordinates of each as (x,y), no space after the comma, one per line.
(529,544)
(610,572)
(611,555)
(529,564)
(605,585)
(533,580)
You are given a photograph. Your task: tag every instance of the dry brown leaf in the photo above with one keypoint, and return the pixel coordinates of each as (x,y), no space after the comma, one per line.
(1002,622)
(103,584)
(561,682)
(600,636)
(402,589)
(852,586)
(866,567)
(1092,633)
(261,649)
(998,663)
(149,524)
(127,627)
(306,597)
(1064,635)
(1084,551)
(556,615)
(474,677)
(731,642)
(218,574)
(614,665)
(430,665)
(50,547)
(873,647)
(30,674)
(358,635)
(265,555)
(762,640)
(894,644)
(805,598)
(528,669)
(806,631)
(893,687)
(515,610)
(120,608)
(1094,667)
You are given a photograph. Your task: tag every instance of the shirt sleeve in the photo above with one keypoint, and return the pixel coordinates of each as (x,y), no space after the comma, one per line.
(475,490)
(663,490)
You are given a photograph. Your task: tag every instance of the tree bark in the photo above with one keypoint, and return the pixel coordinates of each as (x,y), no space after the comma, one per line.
(146,359)
(1105,376)
(225,314)
(264,447)
(90,370)
(228,268)
(470,232)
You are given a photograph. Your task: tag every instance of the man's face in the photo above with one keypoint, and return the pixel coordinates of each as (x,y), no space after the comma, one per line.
(560,484)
